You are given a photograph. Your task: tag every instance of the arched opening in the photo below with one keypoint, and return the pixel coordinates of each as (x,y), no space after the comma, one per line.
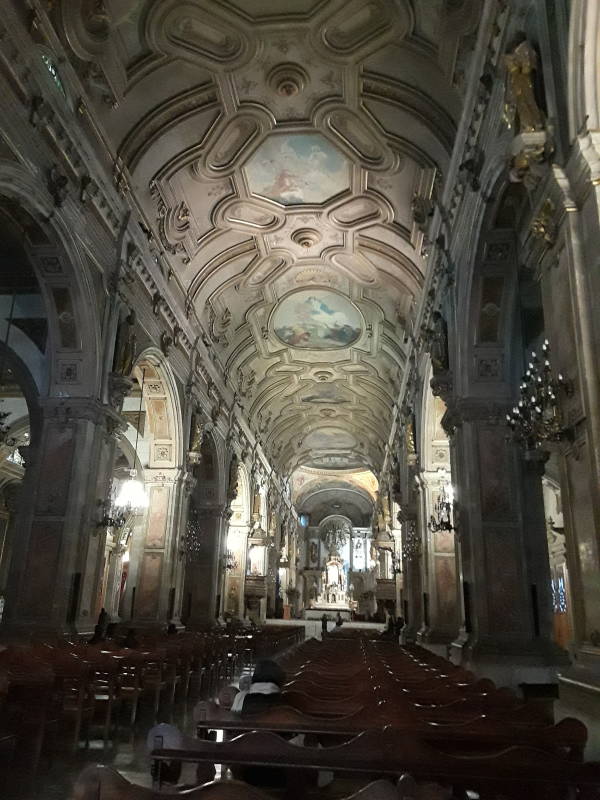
(141,547)
(440,617)
(236,549)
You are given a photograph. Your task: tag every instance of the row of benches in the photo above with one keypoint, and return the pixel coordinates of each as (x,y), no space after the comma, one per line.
(380,710)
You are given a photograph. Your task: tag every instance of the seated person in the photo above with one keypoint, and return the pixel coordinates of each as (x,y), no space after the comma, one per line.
(98,636)
(130,641)
(264,691)
(227,696)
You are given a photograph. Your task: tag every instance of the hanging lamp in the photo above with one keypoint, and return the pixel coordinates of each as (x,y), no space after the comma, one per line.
(132,495)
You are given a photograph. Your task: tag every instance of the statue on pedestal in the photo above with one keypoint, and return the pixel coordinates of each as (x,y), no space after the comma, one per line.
(521,108)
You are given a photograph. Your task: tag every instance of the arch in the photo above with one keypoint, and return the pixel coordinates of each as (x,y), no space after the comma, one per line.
(162,407)
(74,352)
(434,446)
(241,506)
(584,67)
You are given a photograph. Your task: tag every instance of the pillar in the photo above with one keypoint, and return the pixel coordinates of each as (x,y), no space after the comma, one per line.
(412,601)
(439,567)
(503,550)
(56,568)
(202,573)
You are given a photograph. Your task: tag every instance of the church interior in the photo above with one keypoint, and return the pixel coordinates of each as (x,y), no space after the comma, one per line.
(299,399)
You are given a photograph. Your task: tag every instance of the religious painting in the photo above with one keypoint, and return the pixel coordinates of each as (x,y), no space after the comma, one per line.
(330,439)
(329,394)
(298,168)
(317,320)
(332,461)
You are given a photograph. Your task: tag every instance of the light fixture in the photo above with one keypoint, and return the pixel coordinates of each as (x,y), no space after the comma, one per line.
(441,518)
(537,417)
(192,540)
(411,545)
(132,495)
(230,562)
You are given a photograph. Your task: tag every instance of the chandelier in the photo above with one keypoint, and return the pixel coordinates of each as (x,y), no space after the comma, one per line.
(230,561)
(537,417)
(192,540)
(132,495)
(411,546)
(441,517)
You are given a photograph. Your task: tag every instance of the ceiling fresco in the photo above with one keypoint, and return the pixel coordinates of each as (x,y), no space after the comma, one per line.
(297,168)
(317,320)
(277,150)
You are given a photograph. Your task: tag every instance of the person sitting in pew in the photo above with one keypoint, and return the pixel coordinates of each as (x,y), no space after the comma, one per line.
(265,689)
(98,636)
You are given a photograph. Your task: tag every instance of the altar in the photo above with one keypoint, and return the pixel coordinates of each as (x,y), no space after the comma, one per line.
(330,610)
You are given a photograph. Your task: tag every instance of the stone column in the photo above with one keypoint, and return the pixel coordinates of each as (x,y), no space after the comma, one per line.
(412,597)
(439,568)
(57,560)
(185,489)
(503,549)
(155,552)
(202,573)
(233,591)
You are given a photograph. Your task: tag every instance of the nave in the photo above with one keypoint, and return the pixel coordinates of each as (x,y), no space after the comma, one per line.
(299,336)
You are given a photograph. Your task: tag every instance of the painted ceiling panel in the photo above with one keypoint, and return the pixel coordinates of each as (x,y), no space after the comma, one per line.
(277,149)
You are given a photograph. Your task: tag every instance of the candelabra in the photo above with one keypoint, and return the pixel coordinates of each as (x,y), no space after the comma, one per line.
(411,546)
(192,541)
(441,518)
(230,561)
(537,417)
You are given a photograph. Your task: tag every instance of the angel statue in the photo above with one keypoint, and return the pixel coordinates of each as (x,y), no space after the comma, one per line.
(521,108)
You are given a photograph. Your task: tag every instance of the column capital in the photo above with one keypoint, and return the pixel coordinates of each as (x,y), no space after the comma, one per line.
(474,409)
(64,411)
(212,512)
(160,476)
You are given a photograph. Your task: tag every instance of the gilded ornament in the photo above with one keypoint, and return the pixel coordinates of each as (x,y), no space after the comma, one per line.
(521,108)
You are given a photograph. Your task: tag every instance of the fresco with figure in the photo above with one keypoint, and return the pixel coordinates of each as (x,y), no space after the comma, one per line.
(330,439)
(297,168)
(317,319)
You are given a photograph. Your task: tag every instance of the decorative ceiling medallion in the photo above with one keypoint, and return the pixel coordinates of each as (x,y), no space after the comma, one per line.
(317,319)
(298,168)
(306,237)
(287,80)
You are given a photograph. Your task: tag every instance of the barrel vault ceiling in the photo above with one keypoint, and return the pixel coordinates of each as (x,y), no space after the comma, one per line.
(277,149)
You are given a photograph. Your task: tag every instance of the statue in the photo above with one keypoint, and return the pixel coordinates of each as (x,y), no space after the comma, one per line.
(521,108)
(197,434)
(438,349)
(126,348)
(232,489)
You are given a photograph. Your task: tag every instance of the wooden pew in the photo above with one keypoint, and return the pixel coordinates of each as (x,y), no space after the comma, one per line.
(518,772)
(104,783)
